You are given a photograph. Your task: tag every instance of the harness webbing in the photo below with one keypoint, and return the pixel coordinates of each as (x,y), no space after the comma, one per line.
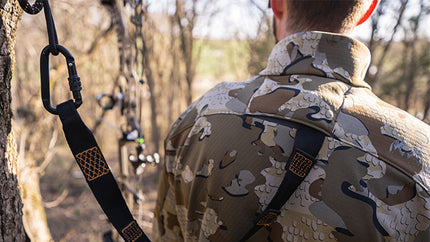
(97,173)
(307,144)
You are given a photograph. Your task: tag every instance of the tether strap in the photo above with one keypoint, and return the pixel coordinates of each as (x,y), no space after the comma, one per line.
(307,144)
(97,173)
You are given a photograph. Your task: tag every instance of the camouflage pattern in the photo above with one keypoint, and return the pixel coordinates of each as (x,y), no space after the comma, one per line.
(225,160)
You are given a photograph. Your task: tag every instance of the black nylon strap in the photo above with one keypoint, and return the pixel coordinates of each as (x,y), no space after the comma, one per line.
(97,173)
(307,144)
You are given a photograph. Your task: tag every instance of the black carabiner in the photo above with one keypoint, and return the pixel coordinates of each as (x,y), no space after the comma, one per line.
(74,79)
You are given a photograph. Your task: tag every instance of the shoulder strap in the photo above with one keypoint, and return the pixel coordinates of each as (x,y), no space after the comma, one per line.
(307,144)
(97,173)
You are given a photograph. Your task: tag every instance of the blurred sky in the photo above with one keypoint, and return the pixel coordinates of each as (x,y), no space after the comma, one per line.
(225,19)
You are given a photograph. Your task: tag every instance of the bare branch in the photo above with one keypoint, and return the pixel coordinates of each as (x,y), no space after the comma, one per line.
(257,6)
(99,38)
(387,46)
(57,201)
(51,151)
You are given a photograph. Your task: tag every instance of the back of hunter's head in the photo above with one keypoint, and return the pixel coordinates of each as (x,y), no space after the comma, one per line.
(339,16)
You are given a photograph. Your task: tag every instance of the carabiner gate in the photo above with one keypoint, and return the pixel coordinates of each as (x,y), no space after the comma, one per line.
(74,79)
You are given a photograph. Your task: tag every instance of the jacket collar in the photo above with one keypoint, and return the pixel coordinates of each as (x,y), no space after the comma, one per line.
(323,54)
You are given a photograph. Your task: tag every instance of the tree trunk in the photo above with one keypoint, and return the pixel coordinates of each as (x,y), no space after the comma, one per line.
(427,102)
(380,62)
(186,43)
(11,226)
(34,217)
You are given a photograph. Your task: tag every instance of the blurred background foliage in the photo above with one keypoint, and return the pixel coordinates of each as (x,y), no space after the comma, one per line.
(190,46)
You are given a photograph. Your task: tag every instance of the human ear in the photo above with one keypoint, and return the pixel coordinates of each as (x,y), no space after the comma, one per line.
(278,8)
(369,12)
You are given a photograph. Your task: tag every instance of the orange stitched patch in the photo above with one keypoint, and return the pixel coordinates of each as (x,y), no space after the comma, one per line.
(132,232)
(92,163)
(300,164)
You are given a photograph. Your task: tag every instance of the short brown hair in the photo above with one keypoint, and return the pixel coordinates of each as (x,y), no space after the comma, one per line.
(325,15)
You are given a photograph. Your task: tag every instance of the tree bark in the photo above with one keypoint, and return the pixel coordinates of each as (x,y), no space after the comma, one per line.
(11,226)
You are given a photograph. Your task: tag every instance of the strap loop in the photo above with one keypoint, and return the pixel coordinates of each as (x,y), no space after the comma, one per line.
(31,9)
(97,173)
(267,217)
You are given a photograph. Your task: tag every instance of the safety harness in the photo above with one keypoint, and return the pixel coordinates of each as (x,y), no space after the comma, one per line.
(307,143)
(96,171)
(80,139)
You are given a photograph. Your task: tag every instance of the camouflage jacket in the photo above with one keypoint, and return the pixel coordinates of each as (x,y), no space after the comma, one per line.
(224,160)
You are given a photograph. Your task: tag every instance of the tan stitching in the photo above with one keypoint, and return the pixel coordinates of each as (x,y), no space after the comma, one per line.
(300,164)
(92,163)
(267,219)
(132,232)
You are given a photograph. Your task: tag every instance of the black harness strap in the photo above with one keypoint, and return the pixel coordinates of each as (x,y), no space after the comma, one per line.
(97,173)
(80,139)
(307,144)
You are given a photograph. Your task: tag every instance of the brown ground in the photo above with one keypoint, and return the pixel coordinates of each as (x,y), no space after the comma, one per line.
(73,213)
